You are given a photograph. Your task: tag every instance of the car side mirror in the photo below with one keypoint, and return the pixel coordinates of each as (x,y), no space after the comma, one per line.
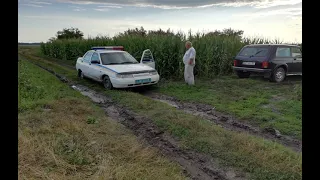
(95,62)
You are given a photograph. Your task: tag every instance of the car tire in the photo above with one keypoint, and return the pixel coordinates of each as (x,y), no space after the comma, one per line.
(242,74)
(80,74)
(107,83)
(278,75)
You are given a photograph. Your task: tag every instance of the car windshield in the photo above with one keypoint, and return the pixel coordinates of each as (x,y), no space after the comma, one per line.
(117,58)
(254,51)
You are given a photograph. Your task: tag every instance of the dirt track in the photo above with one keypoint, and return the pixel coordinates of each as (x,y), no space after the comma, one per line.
(228,122)
(195,165)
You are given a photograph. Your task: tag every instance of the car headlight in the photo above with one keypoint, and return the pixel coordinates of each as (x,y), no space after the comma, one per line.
(153,72)
(124,75)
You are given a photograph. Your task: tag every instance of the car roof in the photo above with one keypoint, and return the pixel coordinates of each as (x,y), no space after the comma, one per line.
(272,45)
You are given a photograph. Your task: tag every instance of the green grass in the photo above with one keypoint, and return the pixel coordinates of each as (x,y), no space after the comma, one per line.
(260,158)
(255,100)
(62,135)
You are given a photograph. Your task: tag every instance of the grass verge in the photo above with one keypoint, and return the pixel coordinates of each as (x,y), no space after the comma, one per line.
(62,135)
(255,100)
(262,159)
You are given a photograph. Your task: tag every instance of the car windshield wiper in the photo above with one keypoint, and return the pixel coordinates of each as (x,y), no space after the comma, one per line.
(256,53)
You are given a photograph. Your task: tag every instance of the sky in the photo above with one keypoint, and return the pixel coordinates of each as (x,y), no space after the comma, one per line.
(39,20)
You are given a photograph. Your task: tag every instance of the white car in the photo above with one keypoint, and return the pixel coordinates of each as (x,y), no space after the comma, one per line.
(116,68)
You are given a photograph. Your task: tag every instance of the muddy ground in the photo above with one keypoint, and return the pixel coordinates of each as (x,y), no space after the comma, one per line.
(226,121)
(195,165)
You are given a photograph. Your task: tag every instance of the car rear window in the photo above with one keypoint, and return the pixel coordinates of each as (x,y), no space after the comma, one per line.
(254,51)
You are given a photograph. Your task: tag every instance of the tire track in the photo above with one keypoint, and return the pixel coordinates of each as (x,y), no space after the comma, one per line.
(197,166)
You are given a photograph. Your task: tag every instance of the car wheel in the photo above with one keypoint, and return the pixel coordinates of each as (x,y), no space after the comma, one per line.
(80,74)
(242,74)
(278,75)
(107,83)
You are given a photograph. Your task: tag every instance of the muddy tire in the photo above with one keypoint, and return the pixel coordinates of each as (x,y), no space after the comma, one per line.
(242,74)
(80,74)
(107,83)
(278,75)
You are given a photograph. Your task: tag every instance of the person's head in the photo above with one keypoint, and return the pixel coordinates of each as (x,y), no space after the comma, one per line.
(188,44)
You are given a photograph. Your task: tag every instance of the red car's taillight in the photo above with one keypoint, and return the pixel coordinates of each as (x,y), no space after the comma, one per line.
(265,64)
(234,62)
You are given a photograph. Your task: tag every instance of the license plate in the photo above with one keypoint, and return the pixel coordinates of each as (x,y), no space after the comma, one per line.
(248,63)
(143,80)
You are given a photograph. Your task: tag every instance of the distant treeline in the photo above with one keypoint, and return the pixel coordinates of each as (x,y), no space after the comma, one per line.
(29,44)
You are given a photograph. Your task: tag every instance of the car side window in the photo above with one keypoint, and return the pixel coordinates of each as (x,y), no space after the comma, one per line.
(283,52)
(95,57)
(87,57)
(296,52)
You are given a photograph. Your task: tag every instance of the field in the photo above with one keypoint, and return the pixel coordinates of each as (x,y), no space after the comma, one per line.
(222,128)
(63,135)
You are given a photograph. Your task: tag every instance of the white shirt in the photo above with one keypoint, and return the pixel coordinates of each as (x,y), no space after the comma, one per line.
(190,53)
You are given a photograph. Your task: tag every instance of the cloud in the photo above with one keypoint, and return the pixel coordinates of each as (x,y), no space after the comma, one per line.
(102,9)
(31,5)
(290,12)
(39,2)
(177,4)
(116,7)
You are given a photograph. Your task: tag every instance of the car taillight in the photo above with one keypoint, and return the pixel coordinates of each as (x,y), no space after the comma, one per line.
(234,62)
(265,64)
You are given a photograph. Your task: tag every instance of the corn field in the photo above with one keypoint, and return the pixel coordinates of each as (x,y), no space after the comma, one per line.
(214,52)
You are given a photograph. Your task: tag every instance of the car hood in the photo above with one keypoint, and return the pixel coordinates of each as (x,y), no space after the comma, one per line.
(123,68)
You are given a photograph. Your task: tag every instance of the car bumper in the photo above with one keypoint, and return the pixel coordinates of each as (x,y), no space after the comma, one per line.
(246,69)
(131,82)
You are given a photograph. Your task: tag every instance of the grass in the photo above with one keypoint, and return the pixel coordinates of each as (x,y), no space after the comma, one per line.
(255,100)
(260,158)
(62,135)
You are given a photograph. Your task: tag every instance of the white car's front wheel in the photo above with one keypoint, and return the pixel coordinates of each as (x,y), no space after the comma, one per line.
(107,83)
(80,74)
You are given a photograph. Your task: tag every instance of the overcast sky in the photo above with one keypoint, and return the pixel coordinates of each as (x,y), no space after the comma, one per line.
(39,20)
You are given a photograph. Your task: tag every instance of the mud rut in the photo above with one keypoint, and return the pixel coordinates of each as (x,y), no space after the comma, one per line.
(226,121)
(195,165)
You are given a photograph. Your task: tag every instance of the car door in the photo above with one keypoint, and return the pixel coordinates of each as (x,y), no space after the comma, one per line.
(283,56)
(297,60)
(85,63)
(147,58)
(94,68)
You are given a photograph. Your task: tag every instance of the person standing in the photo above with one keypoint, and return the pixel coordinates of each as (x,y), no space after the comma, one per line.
(189,63)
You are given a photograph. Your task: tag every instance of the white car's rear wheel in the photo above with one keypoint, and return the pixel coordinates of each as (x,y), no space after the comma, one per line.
(107,83)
